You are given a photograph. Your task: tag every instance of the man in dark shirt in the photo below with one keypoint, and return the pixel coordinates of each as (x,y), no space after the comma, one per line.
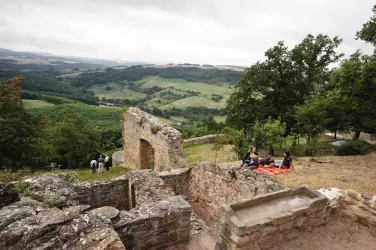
(268,161)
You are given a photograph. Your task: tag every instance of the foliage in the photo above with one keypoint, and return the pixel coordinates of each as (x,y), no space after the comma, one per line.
(311,118)
(72,140)
(17,127)
(155,129)
(368,32)
(285,79)
(218,144)
(268,135)
(240,142)
(135,73)
(355,83)
(19,187)
(353,147)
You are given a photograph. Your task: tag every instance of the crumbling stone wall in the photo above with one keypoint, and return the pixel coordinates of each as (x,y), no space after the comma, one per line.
(199,140)
(140,130)
(177,179)
(113,192)
(211,186)
(159,217)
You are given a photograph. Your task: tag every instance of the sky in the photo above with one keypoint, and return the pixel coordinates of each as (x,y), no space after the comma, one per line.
(232,32)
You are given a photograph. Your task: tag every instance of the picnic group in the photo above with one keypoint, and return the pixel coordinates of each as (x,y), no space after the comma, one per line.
(252,160)
(100,164)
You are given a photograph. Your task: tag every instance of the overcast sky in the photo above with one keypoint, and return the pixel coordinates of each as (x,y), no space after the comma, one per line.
(196,31)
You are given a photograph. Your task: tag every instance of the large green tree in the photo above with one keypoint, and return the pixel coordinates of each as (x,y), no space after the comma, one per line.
(74,139)
(286,78)
(17,127)
(368,32)
(355,82)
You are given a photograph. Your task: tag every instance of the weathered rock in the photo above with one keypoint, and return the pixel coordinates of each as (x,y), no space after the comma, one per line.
(53,228)
(107,211)
(52,190)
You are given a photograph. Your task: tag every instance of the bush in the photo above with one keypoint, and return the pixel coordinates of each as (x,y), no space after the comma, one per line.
(155,129)
(353,147)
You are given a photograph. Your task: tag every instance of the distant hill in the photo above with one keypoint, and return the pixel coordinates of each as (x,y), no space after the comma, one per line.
(22,60)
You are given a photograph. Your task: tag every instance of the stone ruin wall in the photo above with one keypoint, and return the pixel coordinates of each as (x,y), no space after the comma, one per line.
(211,186)
(199,140)
(164,140)
(113,193)
(178,180)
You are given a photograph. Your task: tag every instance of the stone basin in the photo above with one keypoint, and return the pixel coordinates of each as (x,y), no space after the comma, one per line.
(270,218)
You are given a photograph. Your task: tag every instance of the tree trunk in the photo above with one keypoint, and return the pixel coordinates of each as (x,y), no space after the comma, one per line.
(357,134)
(271,151)
(215,158)
(335,134)
(308,139)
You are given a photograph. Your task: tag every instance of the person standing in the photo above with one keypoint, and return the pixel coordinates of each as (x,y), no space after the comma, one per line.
(93,165)
(100,164)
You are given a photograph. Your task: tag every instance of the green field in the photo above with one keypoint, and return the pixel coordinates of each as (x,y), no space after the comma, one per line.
(36,104)
(194,101)
(151,81)
(218,118)
(116,92)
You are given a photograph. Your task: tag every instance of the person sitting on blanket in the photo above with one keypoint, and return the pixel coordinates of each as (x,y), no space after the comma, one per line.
(248,158)
(267,162)
(286,161)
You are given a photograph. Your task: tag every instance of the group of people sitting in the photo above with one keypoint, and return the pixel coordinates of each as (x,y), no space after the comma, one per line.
(253,161)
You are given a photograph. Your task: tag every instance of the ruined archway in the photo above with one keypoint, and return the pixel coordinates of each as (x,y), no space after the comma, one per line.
(150,143)
(146,155)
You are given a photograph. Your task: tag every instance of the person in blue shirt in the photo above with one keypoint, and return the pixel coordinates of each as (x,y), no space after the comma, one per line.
(286,161)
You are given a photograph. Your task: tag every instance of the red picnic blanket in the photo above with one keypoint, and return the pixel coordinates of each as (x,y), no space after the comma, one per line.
(273,171)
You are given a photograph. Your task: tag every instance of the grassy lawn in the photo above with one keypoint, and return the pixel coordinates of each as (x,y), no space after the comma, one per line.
(36,104)
(116,92)
(86,175)
(204,152)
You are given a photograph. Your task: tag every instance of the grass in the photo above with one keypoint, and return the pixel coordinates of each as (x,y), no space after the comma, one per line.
(194,101)
(178,118)
(204,152)
(219,118)
(151,81)
(36,104)
(85,175)
(116,92)
(346,172)
(81,175)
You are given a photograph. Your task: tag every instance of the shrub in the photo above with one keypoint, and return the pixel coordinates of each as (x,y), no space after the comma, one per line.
(353,147)
(155,129)
(20,187)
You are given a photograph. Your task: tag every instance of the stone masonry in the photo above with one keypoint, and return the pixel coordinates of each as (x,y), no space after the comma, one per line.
(150,143)
(211,186)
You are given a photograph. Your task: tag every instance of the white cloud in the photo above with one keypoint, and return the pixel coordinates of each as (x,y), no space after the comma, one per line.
(217,32)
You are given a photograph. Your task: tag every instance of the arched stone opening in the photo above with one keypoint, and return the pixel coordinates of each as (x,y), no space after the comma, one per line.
(146,155)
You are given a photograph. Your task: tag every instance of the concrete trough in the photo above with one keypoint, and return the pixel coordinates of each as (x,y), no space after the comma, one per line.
(263,221)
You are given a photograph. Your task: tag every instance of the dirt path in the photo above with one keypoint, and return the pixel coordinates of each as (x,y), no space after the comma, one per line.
(346,172)
(338,234)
